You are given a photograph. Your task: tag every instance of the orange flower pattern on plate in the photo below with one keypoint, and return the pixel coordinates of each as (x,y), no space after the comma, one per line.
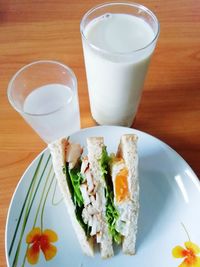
(189,253)
(41,240)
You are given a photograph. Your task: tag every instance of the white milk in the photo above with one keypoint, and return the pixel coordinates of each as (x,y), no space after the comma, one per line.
(60,106)
(115,75)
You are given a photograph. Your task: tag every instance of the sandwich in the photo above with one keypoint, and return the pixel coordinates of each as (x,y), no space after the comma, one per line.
(101,192)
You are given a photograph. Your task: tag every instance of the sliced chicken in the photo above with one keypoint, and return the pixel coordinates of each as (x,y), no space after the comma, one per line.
(84,165)
(84,192)
(95,225)
(73,153)
(98,237)
(85,171)
(90,183)
(91,211)
(95,202)
(86,216)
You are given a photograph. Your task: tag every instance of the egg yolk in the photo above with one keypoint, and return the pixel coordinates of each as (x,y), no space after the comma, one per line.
(121,185)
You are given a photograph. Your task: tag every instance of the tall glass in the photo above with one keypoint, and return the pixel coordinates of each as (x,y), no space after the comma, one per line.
(118,42)
(45,95)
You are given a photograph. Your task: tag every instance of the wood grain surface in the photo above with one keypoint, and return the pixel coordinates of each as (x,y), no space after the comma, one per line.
(32,30)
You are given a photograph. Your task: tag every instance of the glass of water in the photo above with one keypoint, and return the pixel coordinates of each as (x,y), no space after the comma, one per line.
(45,94)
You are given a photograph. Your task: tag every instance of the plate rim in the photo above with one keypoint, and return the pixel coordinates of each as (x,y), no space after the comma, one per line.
(83,130)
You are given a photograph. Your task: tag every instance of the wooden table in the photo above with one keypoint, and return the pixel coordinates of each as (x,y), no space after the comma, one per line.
(170,106)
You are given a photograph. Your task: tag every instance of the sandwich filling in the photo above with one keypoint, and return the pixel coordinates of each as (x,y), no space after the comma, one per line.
(91,213)
(112,214)
(74,180)
(101,192)
(86,196)
(122,200)
(83,190)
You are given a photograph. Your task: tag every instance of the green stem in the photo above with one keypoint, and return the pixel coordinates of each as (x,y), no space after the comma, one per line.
(41,199)
(53,202)
(26,217)
(42,212)
(27,198)
(38,209)
(186,231)
(24,260)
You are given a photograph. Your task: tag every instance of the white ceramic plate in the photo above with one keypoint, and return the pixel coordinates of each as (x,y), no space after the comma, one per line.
(169,209)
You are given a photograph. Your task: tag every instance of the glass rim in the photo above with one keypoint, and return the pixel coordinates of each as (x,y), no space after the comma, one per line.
(9,89)
(125,3)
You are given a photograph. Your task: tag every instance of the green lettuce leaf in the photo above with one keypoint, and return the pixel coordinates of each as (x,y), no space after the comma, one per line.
(74,180)
(111,212)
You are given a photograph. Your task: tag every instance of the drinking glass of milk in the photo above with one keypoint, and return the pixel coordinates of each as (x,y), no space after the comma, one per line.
(118,42)
(45,94)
